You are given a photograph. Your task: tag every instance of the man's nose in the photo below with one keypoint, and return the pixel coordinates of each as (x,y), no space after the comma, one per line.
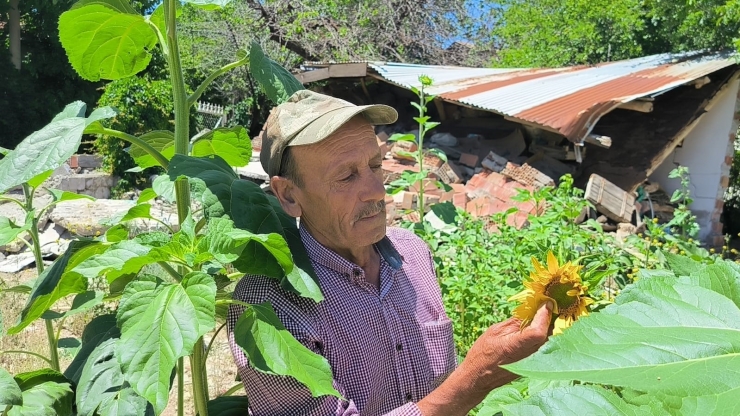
(372,186)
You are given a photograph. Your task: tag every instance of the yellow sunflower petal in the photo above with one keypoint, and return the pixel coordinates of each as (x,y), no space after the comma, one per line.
(538,268)
(552,263)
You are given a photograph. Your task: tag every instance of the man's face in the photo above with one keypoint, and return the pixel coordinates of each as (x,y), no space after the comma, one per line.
(342,199)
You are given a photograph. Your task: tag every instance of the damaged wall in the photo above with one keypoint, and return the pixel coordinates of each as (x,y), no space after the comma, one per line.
(707,151)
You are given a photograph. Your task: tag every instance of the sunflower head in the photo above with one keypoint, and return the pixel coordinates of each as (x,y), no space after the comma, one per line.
(560,284)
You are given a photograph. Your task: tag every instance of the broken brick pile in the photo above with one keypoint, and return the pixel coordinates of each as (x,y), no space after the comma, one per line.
(483,182)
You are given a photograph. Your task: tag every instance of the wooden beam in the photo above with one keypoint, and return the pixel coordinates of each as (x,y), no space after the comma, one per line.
(599,140)
(440,109)
(641,106)
(706,106)
(348,70)
(311,76)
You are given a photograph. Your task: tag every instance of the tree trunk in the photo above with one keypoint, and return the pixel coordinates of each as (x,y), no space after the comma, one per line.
(15,34)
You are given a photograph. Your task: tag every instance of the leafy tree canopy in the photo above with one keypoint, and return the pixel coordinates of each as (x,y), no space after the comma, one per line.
(550,33)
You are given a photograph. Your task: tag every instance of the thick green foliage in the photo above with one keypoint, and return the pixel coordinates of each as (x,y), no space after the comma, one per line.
(550,33)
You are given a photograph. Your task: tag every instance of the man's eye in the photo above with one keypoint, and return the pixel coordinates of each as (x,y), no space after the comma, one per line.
(347,178)
(376,167)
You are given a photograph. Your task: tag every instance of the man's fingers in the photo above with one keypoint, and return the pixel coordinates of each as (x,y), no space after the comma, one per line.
(541,320)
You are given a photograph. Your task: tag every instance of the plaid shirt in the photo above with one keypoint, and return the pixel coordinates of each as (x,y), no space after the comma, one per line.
(387,348)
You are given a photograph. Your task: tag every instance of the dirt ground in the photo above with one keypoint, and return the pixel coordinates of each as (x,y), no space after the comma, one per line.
(221,368)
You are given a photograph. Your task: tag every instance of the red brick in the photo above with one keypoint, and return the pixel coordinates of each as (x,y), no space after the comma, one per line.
(460,200)
(408,200)
(432,162)
(479,207)
(73,162)
(728,160)
(517,220)
(469,159)
(399,147)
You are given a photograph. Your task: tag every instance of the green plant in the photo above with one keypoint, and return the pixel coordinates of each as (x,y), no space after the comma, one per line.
(128,360)
(410,178)
(684,221)
(658,350)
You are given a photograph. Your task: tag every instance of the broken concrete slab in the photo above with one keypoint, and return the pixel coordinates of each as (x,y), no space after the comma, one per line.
(16,262)
(83,217)
(494,162)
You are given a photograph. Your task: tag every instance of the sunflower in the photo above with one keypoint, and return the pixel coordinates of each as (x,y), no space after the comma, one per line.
(560,284)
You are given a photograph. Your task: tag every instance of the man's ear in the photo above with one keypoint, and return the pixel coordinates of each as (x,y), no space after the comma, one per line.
(285,191)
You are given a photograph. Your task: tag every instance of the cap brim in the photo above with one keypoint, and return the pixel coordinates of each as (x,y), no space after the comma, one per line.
(324,126)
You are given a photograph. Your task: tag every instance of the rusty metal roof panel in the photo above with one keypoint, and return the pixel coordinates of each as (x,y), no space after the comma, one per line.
(567,100)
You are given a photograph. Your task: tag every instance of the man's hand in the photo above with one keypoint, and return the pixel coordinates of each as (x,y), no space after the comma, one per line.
(480,372)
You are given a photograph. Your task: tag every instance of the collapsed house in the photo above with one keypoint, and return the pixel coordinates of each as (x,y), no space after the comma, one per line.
(614,125)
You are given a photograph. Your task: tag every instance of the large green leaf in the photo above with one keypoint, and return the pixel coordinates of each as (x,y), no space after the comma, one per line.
(278,83)
(662,336)
(10,392)
(160,323)
(272,349)
(579,401)
(231,144)
(161,140)
(49,147)
(223,194)
(229,406)
(9,231)
(102,387)
(45,393)
(100,329)
(104,42)
(120,259)
(53,284)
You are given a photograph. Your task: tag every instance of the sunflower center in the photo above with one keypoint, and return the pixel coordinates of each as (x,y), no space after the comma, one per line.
(559,292)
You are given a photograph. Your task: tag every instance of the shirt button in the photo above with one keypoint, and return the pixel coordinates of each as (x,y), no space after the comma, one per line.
(408,397)
(357,272)
(399,347)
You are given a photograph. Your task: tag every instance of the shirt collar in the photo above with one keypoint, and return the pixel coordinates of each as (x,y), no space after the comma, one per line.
(330,259)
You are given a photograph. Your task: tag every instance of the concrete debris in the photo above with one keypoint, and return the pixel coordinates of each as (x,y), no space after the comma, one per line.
(83,217)
(444,139)
(16,262)
(494,162)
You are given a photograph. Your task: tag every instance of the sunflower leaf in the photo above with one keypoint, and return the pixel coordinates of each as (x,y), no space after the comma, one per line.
(663,336)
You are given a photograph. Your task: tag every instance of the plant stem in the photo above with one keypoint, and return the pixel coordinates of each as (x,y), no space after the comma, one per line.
(7,409)
(180,387)
(34,232)
(210,344)
(215,74)
(420,204)
(26,352)
(137,141)
(182,189)
(233,390)
(200,378)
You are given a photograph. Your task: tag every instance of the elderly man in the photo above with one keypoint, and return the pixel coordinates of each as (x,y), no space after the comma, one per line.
(382,326)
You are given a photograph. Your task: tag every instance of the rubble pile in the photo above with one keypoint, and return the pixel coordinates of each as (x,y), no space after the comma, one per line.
(484,174)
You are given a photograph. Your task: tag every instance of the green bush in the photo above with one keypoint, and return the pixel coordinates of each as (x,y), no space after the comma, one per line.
(479,270)
(143,105)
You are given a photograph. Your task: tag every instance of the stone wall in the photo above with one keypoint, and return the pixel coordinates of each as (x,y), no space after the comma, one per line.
(95,184)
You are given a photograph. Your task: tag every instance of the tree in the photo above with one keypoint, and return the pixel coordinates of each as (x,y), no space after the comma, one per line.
(45,83)
(557,33)
(551,33)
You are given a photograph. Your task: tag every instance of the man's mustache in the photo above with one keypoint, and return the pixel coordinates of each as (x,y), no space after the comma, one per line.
(370,210)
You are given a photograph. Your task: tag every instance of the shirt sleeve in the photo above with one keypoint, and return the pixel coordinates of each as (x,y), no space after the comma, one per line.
(274,395)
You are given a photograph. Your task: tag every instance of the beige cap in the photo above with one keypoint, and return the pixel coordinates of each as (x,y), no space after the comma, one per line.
(309,117)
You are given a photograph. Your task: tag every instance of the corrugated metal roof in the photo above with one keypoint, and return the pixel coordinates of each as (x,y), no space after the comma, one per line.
(567,100)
